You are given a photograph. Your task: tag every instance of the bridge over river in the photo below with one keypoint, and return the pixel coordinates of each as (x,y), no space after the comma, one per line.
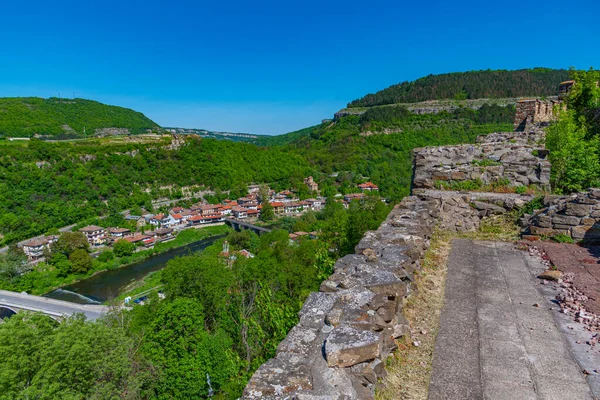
(12,302)
(241,225)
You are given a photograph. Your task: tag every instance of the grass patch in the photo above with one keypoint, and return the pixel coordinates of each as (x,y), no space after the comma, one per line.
(498,227)
(562,238)
(150,281)
(486,162)
(409,369)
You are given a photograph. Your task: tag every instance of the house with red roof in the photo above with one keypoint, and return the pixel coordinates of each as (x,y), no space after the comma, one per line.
(368,187)
(34,249)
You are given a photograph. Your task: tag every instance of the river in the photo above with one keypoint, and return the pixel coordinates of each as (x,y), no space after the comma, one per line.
(107,285)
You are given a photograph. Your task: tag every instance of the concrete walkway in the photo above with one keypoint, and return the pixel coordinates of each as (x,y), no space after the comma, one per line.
(498,338)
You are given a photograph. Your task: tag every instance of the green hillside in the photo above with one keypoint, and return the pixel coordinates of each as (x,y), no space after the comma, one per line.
(470,85)
(66,118)
(45,185)
(286,138)
(377,145)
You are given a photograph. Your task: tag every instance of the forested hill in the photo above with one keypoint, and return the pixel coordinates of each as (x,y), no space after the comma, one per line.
(470,85)
(66,118)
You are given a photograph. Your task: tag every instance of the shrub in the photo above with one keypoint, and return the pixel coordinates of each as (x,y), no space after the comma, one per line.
(520,189)
(562,238)
(122,248)
(105,256)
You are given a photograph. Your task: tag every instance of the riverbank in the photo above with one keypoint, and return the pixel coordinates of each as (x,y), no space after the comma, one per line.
(149,282)
(45,278)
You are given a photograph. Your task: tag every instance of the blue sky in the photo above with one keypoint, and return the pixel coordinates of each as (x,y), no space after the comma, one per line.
(273,67)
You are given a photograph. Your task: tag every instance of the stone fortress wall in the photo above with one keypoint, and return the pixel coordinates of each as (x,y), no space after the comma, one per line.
(534,111)
(347,330)
(518,159)
(576,216)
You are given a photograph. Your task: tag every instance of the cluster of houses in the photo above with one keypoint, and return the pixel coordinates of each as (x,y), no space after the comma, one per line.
(164,226)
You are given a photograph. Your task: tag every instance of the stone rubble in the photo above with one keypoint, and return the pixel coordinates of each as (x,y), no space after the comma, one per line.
(571,300)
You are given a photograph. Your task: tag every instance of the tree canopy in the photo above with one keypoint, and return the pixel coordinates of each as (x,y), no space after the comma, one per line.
(470,85)
(64,118)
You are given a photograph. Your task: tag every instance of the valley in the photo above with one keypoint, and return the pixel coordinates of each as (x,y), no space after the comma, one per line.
(219,304)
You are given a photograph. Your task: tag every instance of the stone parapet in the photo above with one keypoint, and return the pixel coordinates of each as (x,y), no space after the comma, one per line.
(347,330)
(516,159)
(577,216)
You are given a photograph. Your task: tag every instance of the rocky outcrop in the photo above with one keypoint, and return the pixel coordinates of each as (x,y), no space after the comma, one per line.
(512,159)
(577,216)
(347,330)
(111,131)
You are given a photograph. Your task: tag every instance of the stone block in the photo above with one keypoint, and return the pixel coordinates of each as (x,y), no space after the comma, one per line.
(578,210)
(586,232)
(458,176)
(315,308)
(440,176)
(490,209)
(536,230)
(588,221)
(299,340)
(560,227)
(348,346)
(566,220)
(278,378)
(544,221)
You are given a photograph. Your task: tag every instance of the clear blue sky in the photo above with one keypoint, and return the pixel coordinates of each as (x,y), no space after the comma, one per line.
(273,67)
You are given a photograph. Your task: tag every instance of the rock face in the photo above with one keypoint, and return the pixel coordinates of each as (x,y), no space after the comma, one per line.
(111,131)
(513,159)
(577,216)
(347,330)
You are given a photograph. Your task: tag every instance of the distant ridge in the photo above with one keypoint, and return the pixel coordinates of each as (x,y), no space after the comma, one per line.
(67,118)
(205,133)
(469,85)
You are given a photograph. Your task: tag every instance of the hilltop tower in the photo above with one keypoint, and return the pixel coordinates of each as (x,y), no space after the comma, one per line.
(532,111)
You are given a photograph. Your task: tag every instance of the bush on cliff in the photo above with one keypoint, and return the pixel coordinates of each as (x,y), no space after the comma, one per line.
(573,140)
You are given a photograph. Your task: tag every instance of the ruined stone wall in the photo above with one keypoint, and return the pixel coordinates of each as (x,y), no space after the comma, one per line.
(533,111)
(347,330)
(517,158)
(577,216)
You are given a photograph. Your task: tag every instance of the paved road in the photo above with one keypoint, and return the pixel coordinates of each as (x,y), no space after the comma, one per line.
(494,342)
(52,307)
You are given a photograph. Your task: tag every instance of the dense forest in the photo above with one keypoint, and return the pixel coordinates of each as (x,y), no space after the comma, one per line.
(65,118)
(470,85)
(49,185)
